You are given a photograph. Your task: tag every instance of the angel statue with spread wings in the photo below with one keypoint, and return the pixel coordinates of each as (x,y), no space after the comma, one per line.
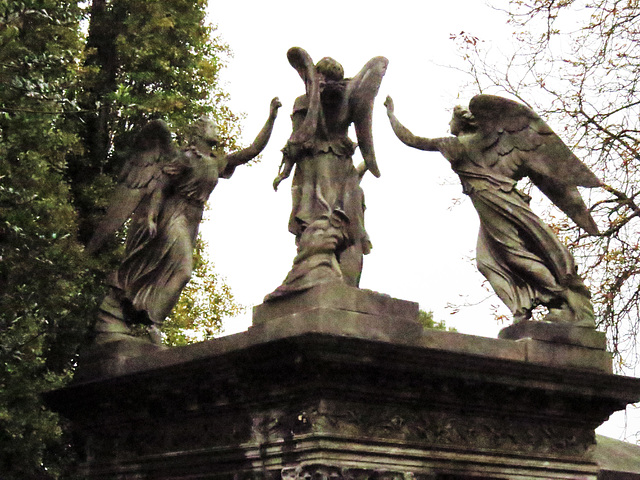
(162,190)
(327,215)
(497,142)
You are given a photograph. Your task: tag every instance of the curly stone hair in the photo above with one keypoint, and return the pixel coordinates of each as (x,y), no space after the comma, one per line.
(464,115)
(330,68)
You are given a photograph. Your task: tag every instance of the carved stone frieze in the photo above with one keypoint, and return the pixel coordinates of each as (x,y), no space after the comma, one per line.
(332,472)
(435,428)
(424,425)
(318,405)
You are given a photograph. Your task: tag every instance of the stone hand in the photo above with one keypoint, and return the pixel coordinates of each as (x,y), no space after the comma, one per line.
(277,181)
(275,105)
(389,104)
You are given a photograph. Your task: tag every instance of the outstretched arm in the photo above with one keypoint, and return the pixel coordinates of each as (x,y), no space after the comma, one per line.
(405,135)
(246,154)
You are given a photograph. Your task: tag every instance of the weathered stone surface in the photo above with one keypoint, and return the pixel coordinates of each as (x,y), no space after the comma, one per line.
(360,397)
(109,359)
(473,345)
(337,296)
(163,191)
(561,345)
(554,354)
(557,333)
(617,460)
(327,213)
(495,142)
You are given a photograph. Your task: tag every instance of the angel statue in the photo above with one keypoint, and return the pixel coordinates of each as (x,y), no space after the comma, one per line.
(327,215)
(162,190)
(497,142)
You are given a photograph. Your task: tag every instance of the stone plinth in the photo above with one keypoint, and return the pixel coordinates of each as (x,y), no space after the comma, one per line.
(332,393)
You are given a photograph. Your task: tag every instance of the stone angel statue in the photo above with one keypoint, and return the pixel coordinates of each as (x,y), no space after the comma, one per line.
(497,142)
(162,190)
(327,215)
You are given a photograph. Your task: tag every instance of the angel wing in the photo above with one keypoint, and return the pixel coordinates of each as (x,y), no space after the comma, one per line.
(302,62)
(508,130)
(140,175)
(361,92)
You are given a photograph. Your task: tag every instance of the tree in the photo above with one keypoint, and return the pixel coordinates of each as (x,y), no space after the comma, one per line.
(577,63)
(143,60)
(69,104)
(45,291)
(204,303)
(427,321)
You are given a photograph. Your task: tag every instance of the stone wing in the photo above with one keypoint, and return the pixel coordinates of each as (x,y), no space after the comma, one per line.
(302,62)
(511,132)
(361,92)
(141,174)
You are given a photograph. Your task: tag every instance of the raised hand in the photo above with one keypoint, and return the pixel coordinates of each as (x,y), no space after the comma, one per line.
(389,104)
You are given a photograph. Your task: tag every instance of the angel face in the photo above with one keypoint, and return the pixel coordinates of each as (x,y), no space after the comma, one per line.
(462,121)
(210,133)
(204,134)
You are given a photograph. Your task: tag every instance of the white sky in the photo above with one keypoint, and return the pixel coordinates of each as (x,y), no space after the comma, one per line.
(422,228)
(423,243)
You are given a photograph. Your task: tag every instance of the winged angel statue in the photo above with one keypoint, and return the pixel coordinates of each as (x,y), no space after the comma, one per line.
(327,216)
(162,190)
(497,142)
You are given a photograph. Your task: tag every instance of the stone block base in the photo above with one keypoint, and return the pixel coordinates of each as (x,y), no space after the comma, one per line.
(561,344)
(337,391)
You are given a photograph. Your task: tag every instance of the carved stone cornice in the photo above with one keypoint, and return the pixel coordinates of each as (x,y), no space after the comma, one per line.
(302,391)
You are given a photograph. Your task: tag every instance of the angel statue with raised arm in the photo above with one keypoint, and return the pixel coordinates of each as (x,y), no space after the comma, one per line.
(162,190)
(327,215)
(497,142)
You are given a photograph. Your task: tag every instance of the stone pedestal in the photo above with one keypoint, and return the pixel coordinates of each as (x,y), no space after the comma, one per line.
(341,383)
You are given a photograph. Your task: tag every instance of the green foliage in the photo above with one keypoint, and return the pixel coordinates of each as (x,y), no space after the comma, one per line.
(426,320)
(204,303)
(65,97)
(45,287)
(144,60)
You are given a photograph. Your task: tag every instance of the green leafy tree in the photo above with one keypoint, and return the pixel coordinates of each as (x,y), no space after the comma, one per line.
(577,63)
(428,323)
(203,305)
(45,291)
(144,60)
(70,102)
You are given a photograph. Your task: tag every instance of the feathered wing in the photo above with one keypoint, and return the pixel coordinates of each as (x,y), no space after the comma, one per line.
(510,131)
(302,62)
(361,92)
(140,175)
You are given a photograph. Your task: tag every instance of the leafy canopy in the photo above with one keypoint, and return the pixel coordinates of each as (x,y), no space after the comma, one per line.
(78,80)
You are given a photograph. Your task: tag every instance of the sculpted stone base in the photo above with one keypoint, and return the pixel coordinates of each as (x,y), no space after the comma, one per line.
(561,344)
(336,390)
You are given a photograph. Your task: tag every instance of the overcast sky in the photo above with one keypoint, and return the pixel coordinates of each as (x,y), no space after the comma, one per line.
(423,231)
(422,228)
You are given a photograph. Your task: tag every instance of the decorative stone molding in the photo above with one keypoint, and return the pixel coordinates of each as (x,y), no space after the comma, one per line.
(331,472)
(350,399)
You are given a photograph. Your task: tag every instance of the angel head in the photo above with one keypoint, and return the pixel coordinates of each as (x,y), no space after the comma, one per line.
(330,69)
(332,86)
(203,134)
(462,121)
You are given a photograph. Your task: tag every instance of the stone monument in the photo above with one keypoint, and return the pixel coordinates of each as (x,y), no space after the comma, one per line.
(495,143)
(333,382)
(327,215)
(162,190)
(341,383)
